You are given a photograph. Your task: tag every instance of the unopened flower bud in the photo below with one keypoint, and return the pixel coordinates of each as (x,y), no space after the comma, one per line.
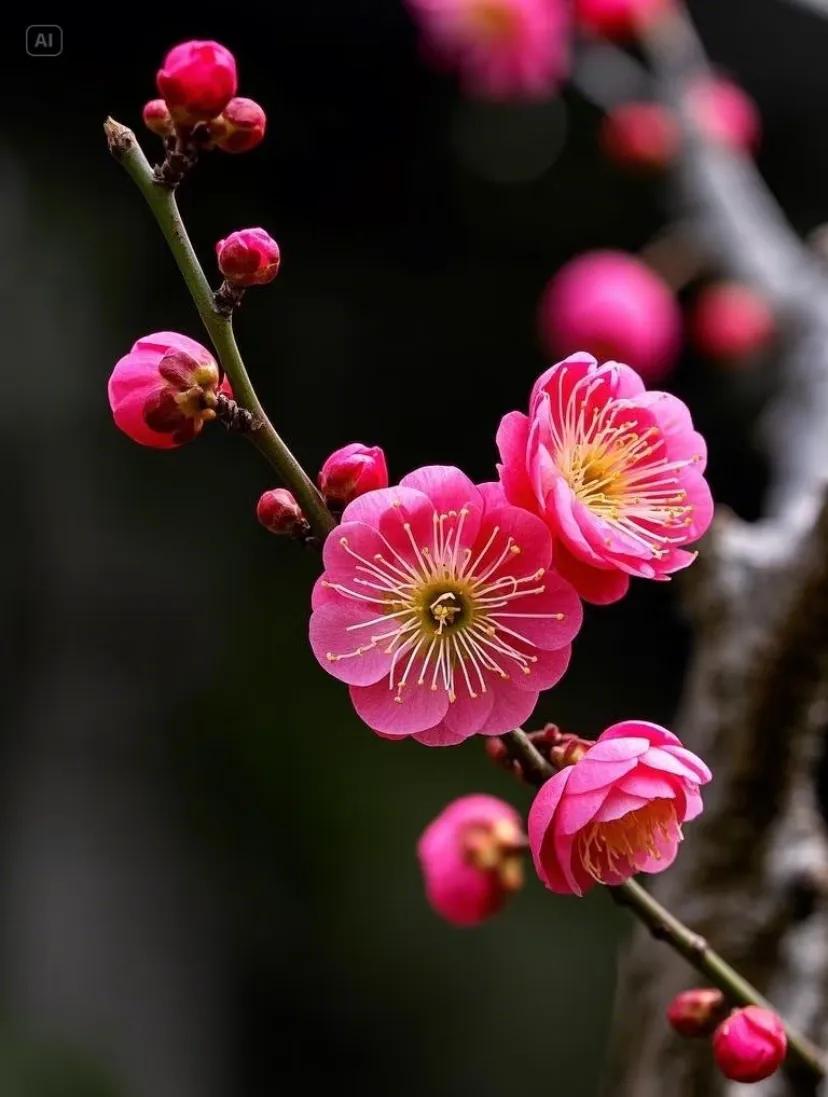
(621,20)
(568,750)
(197,81)
(350,472)
(725,113)
(165,390)
(157,117)
(750,1045)
(697,1012)
(240,127)
(249,257)
(640,136)
(471,857)
(731,322)
(278,511)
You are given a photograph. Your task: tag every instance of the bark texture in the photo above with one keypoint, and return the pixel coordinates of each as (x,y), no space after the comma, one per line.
(753,876)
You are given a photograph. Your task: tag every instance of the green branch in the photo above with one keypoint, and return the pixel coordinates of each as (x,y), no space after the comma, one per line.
(161,199)
(666,927)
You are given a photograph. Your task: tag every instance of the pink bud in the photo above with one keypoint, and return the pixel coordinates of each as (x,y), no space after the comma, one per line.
(619,19)
(165,390)
(750,1045)
(724,112)
(157,118)
(696,1012)
(731,322)
(248,257)
(351,471)
(197,81)
(471,858)
(642,136)
(615,307)
(240,126)
(278,511)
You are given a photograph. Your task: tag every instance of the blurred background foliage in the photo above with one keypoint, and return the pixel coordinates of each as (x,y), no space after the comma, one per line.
(207,877)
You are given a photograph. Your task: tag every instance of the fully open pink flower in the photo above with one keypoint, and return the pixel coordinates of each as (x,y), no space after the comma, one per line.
(614,470)
(614,306)
(471,858)
(439,609)
(502,48)
(617,811)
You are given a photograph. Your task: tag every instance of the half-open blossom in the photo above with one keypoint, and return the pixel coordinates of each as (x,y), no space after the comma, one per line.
(617,811)
(439,609)
(351,471)
(614,470)
(620,20)
(240,127)
(471,858)
(617,308)
(197,80)
(640,136)
(724,112)
(165,390)
(248,257)
(502,48)
(697,1012)
(731,322)
(750,1044)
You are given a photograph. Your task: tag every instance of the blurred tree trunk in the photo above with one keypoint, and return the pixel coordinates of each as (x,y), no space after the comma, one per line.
(753,875)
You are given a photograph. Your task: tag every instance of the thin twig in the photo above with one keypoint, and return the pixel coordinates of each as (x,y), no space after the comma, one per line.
(161,199)
(664,926)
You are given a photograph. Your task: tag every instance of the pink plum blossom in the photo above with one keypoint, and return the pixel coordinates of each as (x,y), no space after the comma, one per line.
(617,811)
(502,48)
(750,1044)
(614,306)
(166,388)
(439,609)
(614,470)
(471,858)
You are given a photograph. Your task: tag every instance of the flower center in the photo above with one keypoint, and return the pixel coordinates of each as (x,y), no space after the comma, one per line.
(493,20)
(445,612)
(618,470)
(632,838)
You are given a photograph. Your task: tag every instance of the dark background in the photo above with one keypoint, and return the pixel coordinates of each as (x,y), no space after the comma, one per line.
(207,876)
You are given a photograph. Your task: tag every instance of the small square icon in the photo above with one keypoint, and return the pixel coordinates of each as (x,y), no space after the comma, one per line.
(44,40)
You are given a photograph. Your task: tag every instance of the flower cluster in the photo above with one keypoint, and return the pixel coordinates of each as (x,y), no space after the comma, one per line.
(197,83)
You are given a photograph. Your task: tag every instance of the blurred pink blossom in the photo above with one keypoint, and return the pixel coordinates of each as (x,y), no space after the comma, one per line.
(502,48)
(471,858)
(614,306)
